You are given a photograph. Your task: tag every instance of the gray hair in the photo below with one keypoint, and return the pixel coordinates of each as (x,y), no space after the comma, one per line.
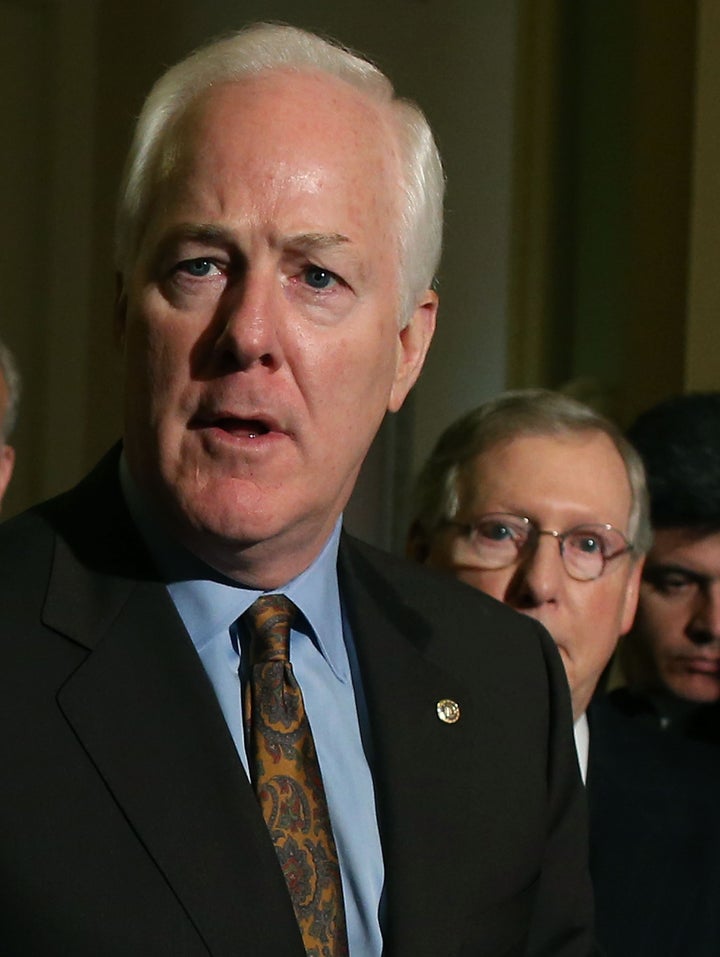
(9,372)
(266,46)
(511,414)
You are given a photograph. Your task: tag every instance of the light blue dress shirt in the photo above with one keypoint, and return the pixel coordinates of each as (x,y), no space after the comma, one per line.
(323,659)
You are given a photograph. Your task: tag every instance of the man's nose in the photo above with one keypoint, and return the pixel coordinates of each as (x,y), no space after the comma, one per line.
(539,573)
(249,319)
(705,622)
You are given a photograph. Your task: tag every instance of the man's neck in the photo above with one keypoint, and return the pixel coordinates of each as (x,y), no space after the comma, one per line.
(263,566)
(260,565)
(673,712)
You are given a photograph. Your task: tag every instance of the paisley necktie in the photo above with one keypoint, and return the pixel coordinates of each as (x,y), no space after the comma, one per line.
(286,776)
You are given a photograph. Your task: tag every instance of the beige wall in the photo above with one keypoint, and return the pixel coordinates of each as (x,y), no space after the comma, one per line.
(614,283)
(702,356)
(46,194)
(603,203)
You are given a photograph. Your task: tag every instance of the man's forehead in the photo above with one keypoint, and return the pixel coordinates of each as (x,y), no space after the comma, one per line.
(566,459)
(696,549)
(307,97)
(303,133)
(564,442)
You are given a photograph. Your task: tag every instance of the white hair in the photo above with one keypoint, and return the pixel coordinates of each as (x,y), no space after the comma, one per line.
(262,47)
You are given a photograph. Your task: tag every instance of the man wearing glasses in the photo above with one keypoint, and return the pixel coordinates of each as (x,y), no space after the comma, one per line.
(541,502)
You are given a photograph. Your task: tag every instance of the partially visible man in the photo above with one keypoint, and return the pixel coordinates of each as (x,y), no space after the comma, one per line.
(671,659)
(541,503)
(9,400)
(230,728)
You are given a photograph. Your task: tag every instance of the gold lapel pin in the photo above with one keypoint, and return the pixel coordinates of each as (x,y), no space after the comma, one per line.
(448,710)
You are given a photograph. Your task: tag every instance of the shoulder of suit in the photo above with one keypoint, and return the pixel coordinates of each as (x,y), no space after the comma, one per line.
(88,520)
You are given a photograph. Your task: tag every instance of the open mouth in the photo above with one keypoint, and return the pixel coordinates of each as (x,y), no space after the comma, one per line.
(245,428)
(234,425)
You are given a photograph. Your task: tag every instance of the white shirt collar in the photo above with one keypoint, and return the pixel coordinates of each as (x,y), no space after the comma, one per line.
(581,732)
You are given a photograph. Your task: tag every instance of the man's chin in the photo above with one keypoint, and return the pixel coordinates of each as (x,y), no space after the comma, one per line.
(228,530)
(694,688)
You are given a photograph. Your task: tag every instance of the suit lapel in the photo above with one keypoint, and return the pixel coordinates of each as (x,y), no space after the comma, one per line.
(420,817)
(144,711)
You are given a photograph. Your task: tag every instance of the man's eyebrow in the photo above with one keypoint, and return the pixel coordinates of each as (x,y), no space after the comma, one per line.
(657,570)
(316,240)
(211,234)
(197,232)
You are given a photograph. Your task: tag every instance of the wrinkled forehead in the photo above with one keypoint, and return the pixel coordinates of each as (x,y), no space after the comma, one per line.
(583,467)
(309,145)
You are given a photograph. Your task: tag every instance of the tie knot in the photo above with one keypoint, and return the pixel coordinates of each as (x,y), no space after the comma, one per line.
(269,620)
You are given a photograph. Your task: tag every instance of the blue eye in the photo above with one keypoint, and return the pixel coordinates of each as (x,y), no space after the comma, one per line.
(589,544)
(198,268)
(318,278)
(495,531)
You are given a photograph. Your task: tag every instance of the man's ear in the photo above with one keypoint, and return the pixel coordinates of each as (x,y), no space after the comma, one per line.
(632,593)
(412,346)
(7,463)
(120,313)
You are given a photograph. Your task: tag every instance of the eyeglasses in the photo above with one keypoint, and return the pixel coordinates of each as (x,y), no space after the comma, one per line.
(497,540)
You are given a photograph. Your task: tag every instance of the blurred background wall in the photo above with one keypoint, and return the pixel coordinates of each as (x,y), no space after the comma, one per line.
(581,140)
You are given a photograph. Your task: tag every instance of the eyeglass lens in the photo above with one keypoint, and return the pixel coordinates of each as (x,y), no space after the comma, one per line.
(498,539)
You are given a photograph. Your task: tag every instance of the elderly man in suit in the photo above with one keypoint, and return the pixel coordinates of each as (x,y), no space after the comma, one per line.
(541,502)
(9,399)
(231,729)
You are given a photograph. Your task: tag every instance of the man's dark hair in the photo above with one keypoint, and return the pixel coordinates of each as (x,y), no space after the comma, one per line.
(679,441)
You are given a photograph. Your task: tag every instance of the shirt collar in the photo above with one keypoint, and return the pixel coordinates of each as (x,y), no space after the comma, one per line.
(581,732)
(208,602)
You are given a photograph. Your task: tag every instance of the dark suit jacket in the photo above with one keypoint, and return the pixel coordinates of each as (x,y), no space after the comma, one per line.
(696,722)
(128,827)
(654,838)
